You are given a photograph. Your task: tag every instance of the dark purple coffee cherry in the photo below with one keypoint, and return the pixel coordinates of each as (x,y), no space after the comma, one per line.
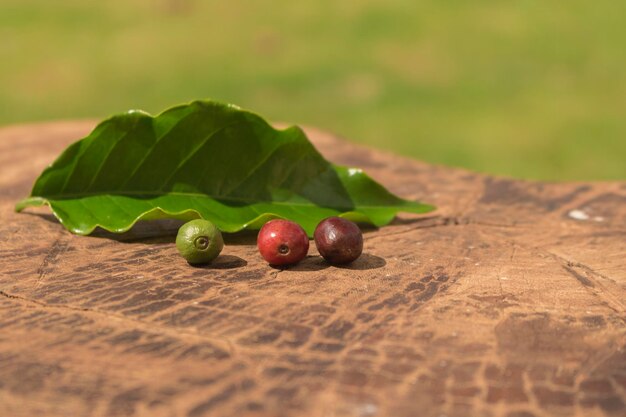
(282,242)
(338,240)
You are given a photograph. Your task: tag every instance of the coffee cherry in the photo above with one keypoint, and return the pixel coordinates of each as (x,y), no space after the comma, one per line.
(199,241)
(338,240)
(282,242)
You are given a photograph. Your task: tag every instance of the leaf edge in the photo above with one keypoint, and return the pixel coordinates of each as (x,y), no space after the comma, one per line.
(190,214)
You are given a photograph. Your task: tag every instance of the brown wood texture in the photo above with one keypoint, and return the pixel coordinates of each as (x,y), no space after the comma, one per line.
(508,301)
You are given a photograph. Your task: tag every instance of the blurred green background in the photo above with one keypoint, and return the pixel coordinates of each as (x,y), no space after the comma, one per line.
(531,89)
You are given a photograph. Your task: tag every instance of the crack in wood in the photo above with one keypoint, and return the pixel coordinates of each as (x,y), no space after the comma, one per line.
(58,247)
(579,277)
(617,306)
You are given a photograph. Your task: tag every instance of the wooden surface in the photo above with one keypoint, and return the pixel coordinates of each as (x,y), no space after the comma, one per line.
(509,301)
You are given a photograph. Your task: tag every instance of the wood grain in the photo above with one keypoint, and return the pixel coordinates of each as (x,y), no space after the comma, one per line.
(509,301)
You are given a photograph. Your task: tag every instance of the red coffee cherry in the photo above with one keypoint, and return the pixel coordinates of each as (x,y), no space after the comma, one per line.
(338,240)
(282,242)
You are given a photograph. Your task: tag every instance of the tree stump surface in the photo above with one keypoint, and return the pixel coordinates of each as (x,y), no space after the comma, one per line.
(508,301)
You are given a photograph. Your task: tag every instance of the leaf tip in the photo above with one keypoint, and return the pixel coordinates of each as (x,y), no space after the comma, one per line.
(418,208)
(29,202)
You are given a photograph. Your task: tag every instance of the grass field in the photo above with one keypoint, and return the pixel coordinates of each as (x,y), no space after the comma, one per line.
(527,88)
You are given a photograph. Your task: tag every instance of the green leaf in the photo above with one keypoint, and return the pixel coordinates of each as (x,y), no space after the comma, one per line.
(209,160)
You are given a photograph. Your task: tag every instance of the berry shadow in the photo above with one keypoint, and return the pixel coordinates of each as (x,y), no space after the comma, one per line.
(223,262)
(317,263)
(308,264)
(364,262)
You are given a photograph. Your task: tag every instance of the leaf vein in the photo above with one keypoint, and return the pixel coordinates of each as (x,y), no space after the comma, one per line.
(205,140)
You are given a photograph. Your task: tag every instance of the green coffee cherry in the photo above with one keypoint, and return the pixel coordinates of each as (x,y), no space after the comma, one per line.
(199,241)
